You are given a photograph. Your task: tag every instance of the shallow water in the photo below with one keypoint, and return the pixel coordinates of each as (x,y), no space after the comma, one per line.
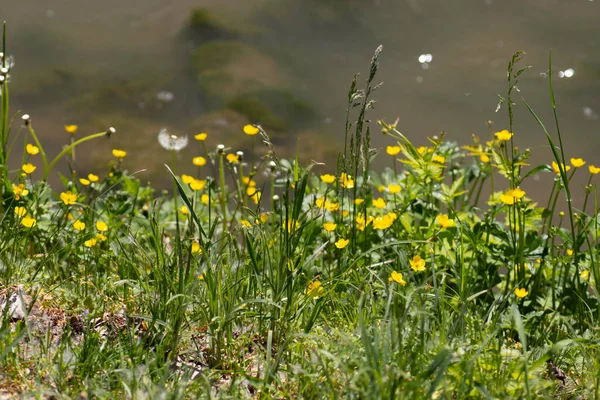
(98,64)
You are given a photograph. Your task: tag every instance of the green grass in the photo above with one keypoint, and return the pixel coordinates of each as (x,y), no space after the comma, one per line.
(268,279)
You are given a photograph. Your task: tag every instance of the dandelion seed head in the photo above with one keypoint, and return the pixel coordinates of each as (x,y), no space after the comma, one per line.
(171,142)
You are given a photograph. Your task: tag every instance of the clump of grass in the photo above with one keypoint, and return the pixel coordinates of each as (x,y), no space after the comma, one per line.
(260,277)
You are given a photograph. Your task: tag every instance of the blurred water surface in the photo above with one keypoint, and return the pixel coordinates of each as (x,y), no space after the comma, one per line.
(135,65)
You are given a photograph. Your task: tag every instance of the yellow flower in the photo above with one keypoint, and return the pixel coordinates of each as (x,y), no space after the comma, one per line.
(100,237)
(417,263)
(245,223)
(197,184)
(101,226)
(199,161)
(19,191)
(20,211)
(79,225)
(347,181)
(577,162)
(184,210)
(196,248)
(439,159)
(520,293)
(557,169)
(332,206)
(341,243)
(383,222)
(262,218)
(392,150)
(361,222)
(320,202)
(255,196)
(484,158)
(31,149)
(119,153)
(518,193)
(314,289)
(379,203)
(585,274)
(251,130)
(28,222)
(68,197)
(187,179)
(93,178)
(445,222)
(394,188)
(328,178)
(84,181)
(507,199)
(248,182)
(594,170)
(90,243)
(28,168)
(204,199)
(569,252)
(292,225)
(359,201)
(422,150)
(504,135)
(397,277)
(381,188)
(201,136)
(71,128)
(329,226)
(232,158)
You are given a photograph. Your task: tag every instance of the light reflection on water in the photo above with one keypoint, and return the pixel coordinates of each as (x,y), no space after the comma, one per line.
(125,64)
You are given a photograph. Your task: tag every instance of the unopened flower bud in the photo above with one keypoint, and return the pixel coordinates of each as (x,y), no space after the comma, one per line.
(275,198)
(25,119)
(272,165)
(240,155)
(110,131)
(220,149)
(4,71)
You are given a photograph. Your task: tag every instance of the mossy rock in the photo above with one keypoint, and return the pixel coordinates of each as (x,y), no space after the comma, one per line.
(273,108)
(203,25)
(227,68)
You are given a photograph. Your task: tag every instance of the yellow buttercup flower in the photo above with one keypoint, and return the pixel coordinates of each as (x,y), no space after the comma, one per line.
(71,128)
(332,206)
(594,170)
(196,248)
(255,196)
(101,226)
(28,222)
(328,178)
(204,199)
(31,149)
(68,197)
(20,211)
(187,179)
(484,158)
(518,193)
(90,243)
(392,150)
(197,184)
(329,226)
(359,201)
(511,196)
(245,223)
(251,130)
(557,169)
(439,159)
(28,168)
(84,181)
(184,210)
(504,135)
(383,222)
(93,178)
(100,237)
(393,189)
(314,289)
(79,225)
(347,181)
(232,158)
(292,225)
(417,263)
(199,161)
(248,182)
(379,203)
(585,274)
(569,252)
(341,243)
(119,153)
(577,162)
(520,293)
(445,222)
(397,277)
(19,191)
(201,136)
